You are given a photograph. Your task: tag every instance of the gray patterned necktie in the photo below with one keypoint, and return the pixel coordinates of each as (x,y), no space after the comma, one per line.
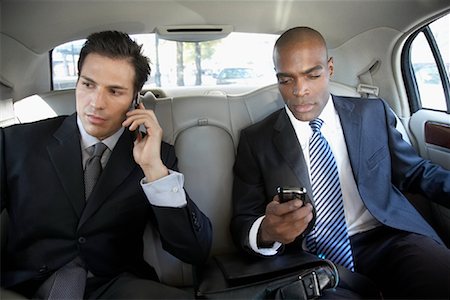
(329,238)
(69,281)
(93,168)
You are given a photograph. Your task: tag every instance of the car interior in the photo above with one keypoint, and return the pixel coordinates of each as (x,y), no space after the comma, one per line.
(371,42)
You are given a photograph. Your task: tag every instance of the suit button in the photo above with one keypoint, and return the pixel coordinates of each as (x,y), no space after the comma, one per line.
(43,269)
(81,240)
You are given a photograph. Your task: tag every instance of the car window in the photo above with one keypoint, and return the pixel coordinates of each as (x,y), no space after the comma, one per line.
(239,59)
(429,66)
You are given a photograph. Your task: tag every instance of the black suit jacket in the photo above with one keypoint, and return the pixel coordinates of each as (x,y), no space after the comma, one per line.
(51,223)
(383,164)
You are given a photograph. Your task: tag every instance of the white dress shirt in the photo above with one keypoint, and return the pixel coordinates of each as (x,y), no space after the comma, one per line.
(167,191)
(357,216)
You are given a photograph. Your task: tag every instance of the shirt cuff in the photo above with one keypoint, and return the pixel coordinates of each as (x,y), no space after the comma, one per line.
(167,191)
(253,237)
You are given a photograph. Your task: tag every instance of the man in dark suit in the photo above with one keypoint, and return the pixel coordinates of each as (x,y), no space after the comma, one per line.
(390,241)
(52,223)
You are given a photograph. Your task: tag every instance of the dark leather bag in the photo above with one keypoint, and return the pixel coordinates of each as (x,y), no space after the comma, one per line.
(288,276)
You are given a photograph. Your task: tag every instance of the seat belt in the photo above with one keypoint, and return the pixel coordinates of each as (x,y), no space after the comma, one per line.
(366,88)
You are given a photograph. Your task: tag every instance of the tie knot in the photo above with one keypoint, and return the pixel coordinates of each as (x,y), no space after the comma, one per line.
(99,148)
(316,124)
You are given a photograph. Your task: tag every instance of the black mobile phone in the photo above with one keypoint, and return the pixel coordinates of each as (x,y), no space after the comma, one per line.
(288,193)
(136,102)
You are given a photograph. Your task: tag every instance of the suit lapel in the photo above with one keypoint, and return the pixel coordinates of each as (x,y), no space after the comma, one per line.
(65,155)
(120,164)
(286,142)
(351,126)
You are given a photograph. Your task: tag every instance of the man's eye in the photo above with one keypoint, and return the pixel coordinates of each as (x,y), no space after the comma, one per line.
(115,92)
(283,80)
(87,84)
(314,76)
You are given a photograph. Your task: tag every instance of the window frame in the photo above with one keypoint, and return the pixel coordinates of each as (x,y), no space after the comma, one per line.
(412,90)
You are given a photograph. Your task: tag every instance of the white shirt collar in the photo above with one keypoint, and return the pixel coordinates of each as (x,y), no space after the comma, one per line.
(88,140)
(302,128)
(332,123)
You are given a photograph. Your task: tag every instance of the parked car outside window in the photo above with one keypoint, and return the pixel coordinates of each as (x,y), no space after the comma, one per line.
(236,76)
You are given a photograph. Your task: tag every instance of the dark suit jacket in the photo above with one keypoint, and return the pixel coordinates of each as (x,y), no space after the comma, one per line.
(384,166)
(51,223)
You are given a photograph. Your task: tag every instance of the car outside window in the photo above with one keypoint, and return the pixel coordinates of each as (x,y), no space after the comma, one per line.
(238,59)
(429,65)
(236,76)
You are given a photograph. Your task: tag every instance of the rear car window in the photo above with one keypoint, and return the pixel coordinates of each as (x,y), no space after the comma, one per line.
(238,59)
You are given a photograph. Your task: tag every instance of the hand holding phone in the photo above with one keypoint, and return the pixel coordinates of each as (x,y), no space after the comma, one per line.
(289,193)
(147,146)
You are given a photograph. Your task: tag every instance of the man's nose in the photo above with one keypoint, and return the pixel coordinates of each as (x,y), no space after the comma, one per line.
(98,98)
(300,88)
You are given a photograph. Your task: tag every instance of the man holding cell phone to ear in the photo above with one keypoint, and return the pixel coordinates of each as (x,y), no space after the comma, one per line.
(79,190)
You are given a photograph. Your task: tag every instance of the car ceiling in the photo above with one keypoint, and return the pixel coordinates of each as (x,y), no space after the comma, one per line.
(42,25)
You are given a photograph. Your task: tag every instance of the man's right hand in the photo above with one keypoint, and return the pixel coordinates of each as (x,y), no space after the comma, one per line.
(284,222)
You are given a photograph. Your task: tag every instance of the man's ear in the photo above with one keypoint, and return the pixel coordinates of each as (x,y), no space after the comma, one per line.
(330,66)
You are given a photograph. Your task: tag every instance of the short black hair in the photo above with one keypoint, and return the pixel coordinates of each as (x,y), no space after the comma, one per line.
(299,33)
(115,44)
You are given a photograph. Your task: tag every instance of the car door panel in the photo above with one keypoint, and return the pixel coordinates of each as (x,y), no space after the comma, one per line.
(431,130)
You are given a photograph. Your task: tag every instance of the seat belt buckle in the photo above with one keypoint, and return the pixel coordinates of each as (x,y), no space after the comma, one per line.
(311,285)
(367,89)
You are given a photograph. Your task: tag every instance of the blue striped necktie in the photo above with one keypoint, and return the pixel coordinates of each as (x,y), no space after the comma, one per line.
(329,238)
